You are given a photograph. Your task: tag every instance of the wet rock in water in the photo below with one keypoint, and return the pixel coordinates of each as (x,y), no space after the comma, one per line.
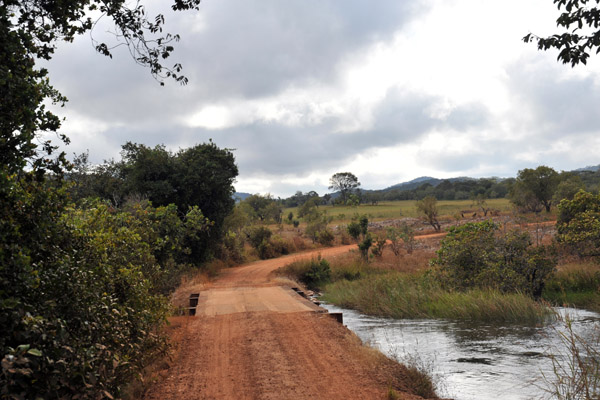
(475,360)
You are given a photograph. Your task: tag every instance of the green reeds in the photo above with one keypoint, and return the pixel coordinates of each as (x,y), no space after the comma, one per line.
(412,296)
(575,285)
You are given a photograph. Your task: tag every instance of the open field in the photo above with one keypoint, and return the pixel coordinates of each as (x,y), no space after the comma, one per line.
(404,208)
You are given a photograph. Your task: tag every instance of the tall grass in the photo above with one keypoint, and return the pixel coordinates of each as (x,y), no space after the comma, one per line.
(411,296)
(576,285)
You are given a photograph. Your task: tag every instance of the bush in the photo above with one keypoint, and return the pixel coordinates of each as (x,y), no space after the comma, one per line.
(474,255)
(365,245)
(578,224)
(325,237)
(78,309)
(380,243)
(313,273)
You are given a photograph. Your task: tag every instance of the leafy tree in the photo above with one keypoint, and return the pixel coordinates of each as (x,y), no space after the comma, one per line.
(580,22)
(345,183)
(534,188)
(150,172)
(578,223)
(258,206)
(200,176)
(308,208)
(428,207)
(476,255)
(567,188)
(30,31)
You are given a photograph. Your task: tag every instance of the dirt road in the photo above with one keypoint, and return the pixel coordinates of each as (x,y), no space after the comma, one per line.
(252,339)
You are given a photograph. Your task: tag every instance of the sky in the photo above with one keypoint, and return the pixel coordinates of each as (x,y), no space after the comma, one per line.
(301,89)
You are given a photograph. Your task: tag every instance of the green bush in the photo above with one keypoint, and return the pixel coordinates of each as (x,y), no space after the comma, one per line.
(78,308)
(578,224)
(313,273)
(475,255)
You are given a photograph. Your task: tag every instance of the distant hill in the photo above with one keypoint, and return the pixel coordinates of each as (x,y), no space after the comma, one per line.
(588,168)
(239,196)
(415,183)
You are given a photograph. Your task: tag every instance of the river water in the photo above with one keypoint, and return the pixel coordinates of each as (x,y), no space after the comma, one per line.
(475,361)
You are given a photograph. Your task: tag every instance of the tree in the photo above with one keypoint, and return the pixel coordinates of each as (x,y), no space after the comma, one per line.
(480,201)
(582,36)
(535,187)
(428,207)
(578,223)
(568,187)
(30,31)
(344,182)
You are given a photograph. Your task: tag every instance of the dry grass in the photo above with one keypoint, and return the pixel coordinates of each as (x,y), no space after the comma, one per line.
(191,283)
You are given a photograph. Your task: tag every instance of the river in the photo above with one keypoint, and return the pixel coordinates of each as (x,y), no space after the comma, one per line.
(472,360)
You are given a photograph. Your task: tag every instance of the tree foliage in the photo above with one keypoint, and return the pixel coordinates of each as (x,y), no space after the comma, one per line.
(428,208)
(30,31)
(345,183)
(580,20)
(476,255)
(578,224)
(82,290)
(534,188)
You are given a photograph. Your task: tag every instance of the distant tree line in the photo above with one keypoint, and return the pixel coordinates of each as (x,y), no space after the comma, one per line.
(533,190)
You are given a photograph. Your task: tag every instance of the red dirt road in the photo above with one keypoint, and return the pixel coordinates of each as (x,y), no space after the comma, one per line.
(252,339)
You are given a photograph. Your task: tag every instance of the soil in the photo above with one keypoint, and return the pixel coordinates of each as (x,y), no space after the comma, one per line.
(254,339)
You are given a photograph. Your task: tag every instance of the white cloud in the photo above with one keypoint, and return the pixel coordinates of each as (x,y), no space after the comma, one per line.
(389,90)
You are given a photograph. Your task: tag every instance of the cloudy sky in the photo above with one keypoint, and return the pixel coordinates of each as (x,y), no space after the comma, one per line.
(389,90)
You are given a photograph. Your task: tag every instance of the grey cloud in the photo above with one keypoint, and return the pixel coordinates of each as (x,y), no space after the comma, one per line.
(248,49)
(560,106)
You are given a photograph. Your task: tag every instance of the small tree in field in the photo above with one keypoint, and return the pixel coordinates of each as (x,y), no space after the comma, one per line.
(428,208)
(345,183)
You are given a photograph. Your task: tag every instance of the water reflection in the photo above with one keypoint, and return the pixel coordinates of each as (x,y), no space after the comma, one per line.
(474,361)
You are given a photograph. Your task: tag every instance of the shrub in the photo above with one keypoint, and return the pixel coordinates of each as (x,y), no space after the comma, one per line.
(474,255)
(365,245)
(313,273)
(319,273)
(377,249)
(578,224)
(78,309)
(354,230)
(325,237)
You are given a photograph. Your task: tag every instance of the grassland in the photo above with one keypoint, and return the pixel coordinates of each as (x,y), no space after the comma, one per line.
(402,209)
